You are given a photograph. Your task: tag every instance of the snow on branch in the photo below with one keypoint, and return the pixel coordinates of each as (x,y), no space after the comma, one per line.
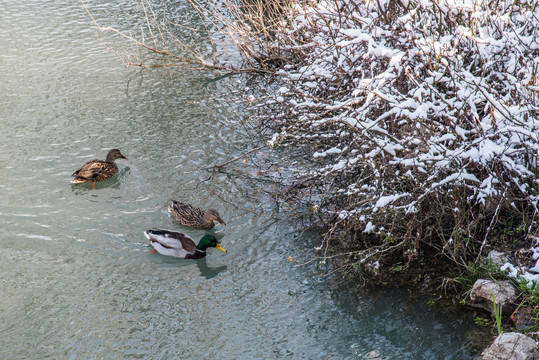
(416,106)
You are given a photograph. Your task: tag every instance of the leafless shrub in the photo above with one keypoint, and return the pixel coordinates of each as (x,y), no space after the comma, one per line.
(424,117)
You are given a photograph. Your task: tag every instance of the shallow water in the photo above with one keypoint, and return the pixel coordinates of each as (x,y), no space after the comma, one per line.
(76,278)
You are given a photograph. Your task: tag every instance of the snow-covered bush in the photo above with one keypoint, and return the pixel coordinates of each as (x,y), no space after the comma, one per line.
(422,117)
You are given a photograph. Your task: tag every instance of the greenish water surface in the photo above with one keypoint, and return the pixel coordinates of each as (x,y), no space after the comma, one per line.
(76,278)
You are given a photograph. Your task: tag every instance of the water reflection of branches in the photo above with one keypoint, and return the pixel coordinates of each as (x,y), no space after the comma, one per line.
(248,26)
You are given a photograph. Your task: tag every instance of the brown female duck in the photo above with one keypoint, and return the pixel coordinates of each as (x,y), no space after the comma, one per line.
(98,170)
(192,216)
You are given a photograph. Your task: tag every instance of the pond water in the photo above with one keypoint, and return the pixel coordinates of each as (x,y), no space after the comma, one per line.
(76,278)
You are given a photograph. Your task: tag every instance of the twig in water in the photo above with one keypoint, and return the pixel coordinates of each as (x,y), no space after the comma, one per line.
(201,181)
(219,167)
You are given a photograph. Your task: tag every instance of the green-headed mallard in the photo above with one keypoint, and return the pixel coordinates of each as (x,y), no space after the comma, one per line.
(177,244)
(98,170)
(192,216)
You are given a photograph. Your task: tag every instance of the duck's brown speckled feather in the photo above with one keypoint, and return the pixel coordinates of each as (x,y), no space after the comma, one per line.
(194,217)
(98,170)
(95,170)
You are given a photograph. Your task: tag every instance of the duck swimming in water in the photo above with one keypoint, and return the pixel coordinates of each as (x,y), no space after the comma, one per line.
(177,244)
(194,217)
(98,170)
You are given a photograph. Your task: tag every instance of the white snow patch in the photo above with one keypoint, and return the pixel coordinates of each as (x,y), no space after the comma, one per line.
(333,150)
(369,227)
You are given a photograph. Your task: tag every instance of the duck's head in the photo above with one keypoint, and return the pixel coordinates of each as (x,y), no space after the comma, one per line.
(209,241)
(213,215)
(114,154)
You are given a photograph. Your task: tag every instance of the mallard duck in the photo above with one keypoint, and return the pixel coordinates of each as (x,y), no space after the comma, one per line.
(177,244)
(192,216)
(98,170)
